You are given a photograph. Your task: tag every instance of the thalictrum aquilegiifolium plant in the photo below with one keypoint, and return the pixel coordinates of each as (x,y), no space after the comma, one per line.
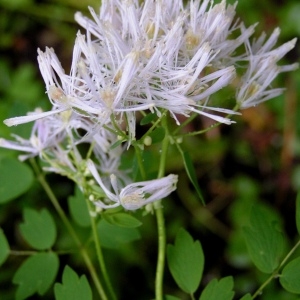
(155,65)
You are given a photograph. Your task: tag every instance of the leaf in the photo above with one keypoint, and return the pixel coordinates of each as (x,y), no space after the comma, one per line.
(112,236)
(122,220)
(186,261)
(298,212)
(4,247)
(290,276)
(170,297)
(264,240)
(72,287)
(190,170)
(16,3)
(116,144)
(38,229)
(246,297)
(78,209)
(157,135)
(218,290)
(36,275)
(148,118)
(15,179)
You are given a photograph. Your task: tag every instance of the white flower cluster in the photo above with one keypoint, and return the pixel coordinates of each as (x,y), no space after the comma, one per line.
(152,57)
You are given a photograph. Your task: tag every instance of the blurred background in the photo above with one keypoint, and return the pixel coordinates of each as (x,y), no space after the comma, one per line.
(256,160)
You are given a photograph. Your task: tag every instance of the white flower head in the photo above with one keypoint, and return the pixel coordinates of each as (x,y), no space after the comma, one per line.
(135,195)
(153,55)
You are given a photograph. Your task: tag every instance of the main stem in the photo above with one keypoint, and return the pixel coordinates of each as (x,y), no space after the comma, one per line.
(161,222)
(41,178)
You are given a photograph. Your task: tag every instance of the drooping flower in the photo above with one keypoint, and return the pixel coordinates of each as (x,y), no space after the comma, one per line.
(135,195)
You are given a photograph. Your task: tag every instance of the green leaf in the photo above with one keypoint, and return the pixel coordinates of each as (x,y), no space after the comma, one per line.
(38,229)
(186,261)
(15,179)
(16,3)
(122,220)
(148,118)
(190,170)
(72,287)
(246,297)
(36,275)
(290,276)
(170,297)
(218,290)
(112,236)
(298,212)
(264,239)
(116,144)
(4,247)
(157,135)
(78,209)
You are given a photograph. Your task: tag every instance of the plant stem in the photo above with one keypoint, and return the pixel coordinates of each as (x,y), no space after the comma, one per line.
(161,253)
(193,133)
(41,178)
(161,222)
(100,254)
(139,157)
(276,272)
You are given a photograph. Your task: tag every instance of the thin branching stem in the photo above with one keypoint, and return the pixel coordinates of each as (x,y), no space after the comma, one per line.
(276,272)
(138,155)
(99,253)
(41,178)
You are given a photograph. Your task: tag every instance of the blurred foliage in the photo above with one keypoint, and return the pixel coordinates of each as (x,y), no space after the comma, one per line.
(237,166)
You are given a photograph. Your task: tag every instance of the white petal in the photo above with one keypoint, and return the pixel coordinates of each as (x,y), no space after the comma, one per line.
(33,116)
(93,170)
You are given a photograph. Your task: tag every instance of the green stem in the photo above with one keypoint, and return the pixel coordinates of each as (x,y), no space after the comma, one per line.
(22,253)
(29,253)
(193,133)
(186,122)
(41,178)
(161,222)
(161,253)
(276,272)
(289,254)
(154,125)
(139,157)
(100,254)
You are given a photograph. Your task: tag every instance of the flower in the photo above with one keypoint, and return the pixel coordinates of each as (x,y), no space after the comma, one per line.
(158,56)
(46,133)
(135,195)
(148,60)
(262,70)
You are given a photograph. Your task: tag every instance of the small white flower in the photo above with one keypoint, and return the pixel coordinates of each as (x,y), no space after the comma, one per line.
(46,133)
(262,70)
(134,195)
